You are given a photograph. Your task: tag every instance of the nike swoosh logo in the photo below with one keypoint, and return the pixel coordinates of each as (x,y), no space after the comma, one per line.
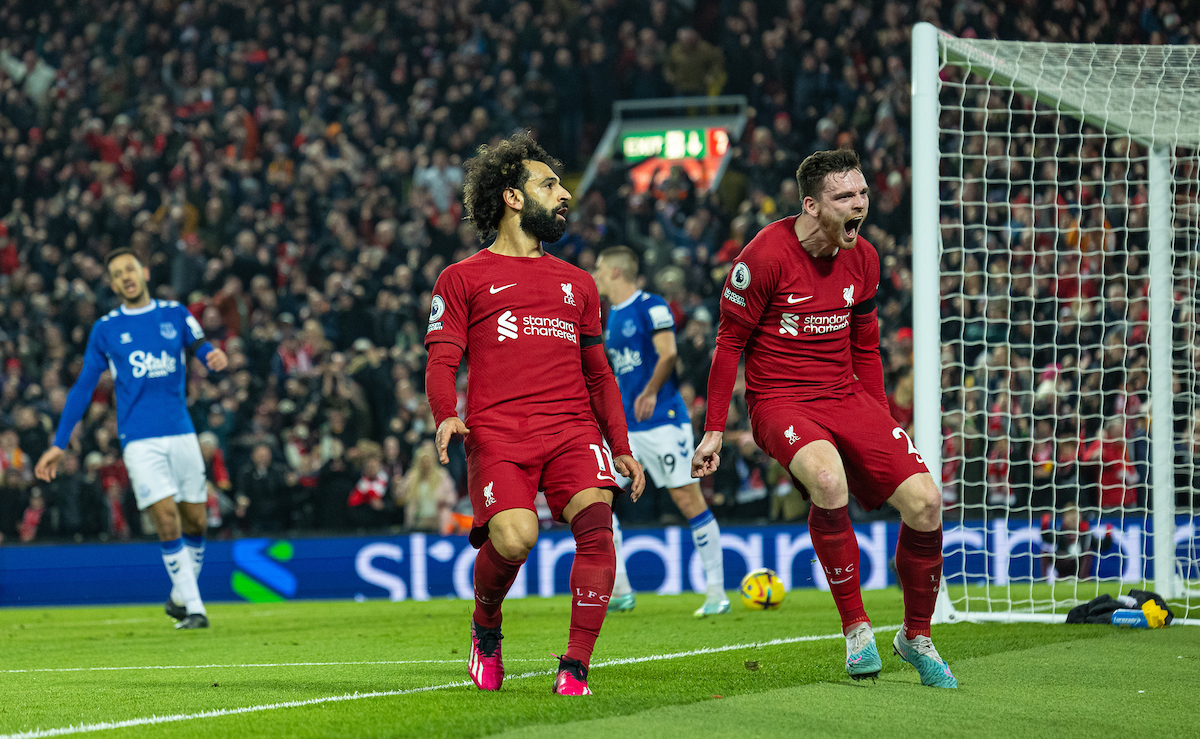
(839,582)
(799,300)
(581,603)
(493,289)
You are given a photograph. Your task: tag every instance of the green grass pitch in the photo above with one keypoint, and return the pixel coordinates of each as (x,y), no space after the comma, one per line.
(379,669)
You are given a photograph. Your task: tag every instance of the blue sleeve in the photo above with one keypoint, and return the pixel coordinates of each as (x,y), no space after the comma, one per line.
(202,352)
(193,335)
(94,364)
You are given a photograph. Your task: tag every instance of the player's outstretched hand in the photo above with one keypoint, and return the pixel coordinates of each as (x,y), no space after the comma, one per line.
(629,467)
(643,406)
(47,467)
(706,460)
(216,360)
(451,426)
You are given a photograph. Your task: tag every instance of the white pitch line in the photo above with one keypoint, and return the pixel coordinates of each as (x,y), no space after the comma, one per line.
(264,664)
(727,648)
(151,720)
(220,712)
(59,624)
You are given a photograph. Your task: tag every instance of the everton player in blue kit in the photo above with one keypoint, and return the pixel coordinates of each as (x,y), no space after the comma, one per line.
(145,344)
(640,337)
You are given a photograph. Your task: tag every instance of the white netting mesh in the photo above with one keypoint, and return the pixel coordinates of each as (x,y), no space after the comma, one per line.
(1045,318)
(1149,92)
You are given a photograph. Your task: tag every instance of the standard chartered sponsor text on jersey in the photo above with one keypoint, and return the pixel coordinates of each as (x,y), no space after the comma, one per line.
(826,324)
(554,327)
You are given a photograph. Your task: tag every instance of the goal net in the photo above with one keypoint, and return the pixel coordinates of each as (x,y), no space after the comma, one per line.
(1056,257)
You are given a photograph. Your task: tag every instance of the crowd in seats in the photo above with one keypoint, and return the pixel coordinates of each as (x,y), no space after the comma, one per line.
(292,172)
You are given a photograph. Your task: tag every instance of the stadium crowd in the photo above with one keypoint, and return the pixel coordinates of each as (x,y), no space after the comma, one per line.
(291,172)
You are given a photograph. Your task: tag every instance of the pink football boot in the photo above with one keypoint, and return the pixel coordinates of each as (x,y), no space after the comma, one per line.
(485,665)
(572,678)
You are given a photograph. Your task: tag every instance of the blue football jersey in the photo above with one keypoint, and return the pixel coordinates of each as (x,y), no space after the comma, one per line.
(146,351)
(629,337)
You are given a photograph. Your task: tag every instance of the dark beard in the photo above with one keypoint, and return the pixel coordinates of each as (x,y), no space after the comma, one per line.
(541,223)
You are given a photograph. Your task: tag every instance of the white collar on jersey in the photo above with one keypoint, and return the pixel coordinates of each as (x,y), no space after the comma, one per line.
(139,311)
(628,301)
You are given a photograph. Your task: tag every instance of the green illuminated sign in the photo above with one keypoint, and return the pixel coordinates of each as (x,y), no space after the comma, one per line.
(687,143)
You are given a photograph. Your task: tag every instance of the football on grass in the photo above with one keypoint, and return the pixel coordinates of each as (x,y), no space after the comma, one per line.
(762,590)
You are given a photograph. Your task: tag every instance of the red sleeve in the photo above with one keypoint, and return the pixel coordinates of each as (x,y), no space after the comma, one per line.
(448,311)
(749,287)
(748,290)
(864,329)
(864,354)
(441,369)
(445,339)
(589,317)
(731,339)
(605,398)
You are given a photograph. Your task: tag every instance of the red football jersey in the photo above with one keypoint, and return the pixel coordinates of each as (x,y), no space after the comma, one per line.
(522,321)
(799,309)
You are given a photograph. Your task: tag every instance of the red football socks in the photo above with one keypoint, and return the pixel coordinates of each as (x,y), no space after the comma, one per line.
(592,576)
(919,567)
(494,575)
(836,547)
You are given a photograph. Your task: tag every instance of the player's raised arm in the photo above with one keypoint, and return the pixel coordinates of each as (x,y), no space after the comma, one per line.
(78,399)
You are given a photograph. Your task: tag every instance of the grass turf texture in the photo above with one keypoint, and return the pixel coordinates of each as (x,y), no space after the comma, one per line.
(1044,680)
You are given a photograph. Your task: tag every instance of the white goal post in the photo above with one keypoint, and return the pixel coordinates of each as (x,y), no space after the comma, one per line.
(1056,351)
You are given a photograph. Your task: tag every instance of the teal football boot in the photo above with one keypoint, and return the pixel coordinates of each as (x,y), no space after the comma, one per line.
(862,658)
(921,654)
(621,603)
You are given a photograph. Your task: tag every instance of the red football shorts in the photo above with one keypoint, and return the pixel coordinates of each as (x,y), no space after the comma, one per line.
(508,474)
(876,453)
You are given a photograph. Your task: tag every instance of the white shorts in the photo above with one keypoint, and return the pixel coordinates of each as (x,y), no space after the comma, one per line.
(665,452)
(166,467)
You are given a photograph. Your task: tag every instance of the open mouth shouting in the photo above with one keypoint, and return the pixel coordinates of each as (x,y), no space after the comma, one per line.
(850,229)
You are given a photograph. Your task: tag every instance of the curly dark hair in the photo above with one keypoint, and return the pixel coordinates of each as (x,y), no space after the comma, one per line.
(495,168)
(816,167)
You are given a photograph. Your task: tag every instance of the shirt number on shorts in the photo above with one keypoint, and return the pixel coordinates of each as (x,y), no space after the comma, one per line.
(897,433)
(602,456)
(669,463)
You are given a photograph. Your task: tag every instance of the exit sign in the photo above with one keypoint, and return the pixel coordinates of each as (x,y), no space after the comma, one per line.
(685,143)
